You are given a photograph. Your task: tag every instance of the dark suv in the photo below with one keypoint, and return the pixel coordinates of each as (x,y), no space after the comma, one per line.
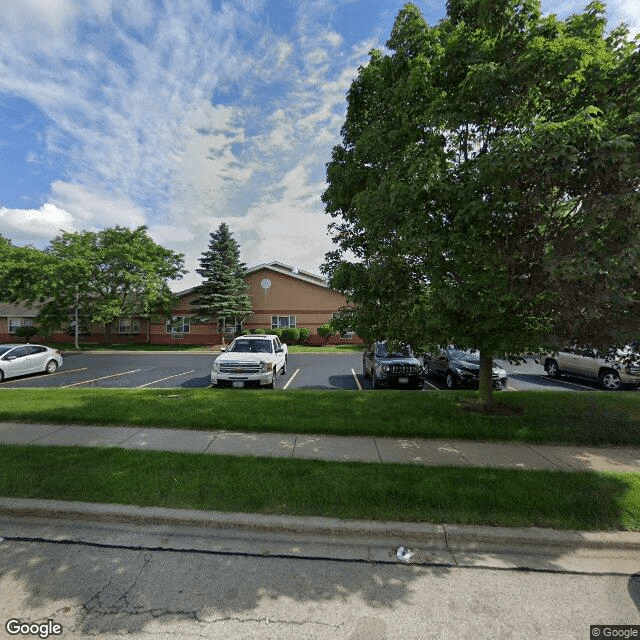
(399,368)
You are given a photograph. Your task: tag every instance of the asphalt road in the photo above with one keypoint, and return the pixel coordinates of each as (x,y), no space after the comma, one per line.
(304,371)
(113,590)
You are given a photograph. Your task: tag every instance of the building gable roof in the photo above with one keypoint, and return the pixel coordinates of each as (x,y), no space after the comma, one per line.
(278,267)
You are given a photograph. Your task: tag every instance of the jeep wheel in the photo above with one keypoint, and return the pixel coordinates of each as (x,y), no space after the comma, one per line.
(609,380)
(450,380)
(553,371)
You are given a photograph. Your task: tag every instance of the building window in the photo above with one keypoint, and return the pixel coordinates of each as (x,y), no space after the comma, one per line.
(178,324)
(283,322)
(129,325)
(15,323)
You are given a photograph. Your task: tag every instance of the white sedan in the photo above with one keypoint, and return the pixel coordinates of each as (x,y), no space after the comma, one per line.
(22,359)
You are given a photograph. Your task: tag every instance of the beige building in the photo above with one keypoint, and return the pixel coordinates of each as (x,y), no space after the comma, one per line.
(281,297)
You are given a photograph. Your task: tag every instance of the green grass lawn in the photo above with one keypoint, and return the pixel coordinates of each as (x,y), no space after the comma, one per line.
(186,348)
(597,418)
(412,493)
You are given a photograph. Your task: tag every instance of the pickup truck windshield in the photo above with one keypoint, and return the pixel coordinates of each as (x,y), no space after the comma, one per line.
(251,346)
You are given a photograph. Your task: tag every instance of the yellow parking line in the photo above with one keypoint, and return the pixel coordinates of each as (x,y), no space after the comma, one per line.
(167,378)
(291,378)
(115,375)
(355,377)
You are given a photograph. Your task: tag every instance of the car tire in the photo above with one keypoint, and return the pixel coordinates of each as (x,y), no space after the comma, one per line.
(52,366)
(374,381)
(553,371)
(450,380)
(1,375)
(609,380)
(272,384)
(284,368)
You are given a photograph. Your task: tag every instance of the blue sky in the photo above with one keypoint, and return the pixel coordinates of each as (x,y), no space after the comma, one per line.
(182,114)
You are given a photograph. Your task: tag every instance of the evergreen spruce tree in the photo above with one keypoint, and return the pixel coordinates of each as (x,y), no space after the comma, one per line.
(222,294)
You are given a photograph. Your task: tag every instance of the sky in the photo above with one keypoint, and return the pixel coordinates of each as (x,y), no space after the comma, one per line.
(182,114)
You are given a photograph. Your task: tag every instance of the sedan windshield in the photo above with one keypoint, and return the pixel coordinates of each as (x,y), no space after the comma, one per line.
(469,356)
(251,346)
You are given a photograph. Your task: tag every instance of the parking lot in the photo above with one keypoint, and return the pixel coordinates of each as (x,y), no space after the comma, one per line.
(304,371)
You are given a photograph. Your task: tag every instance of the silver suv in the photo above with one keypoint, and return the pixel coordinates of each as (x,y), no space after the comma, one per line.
(611,371)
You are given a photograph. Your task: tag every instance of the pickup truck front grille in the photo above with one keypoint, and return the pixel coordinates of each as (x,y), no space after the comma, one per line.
(240,367)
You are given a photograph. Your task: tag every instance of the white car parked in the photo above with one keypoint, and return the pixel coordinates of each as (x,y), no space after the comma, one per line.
(254,359)
(22,359)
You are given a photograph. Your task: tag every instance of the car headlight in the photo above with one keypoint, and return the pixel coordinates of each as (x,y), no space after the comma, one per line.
(216,367)
(385,368)
(462,372)
(266,366)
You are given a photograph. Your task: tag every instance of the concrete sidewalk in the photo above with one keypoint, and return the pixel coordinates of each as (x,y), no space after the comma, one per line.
(319,447)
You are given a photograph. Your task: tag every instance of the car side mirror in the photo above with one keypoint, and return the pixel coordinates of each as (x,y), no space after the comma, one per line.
(223,349)
(279,350)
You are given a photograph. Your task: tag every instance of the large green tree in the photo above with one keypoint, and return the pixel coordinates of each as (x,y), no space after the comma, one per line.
(486,192)
(107,274)
(222,295)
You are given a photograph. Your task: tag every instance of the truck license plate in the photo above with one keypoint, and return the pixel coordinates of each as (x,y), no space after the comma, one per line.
(238,384)
(403,380)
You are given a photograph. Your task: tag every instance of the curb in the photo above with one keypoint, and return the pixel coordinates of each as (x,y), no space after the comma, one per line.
(442,536)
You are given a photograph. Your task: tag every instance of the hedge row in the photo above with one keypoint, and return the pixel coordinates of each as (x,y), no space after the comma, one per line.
(288,336)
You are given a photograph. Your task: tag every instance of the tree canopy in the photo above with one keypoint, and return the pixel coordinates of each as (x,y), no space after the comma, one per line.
(108,274)
(222,294)
(486,192)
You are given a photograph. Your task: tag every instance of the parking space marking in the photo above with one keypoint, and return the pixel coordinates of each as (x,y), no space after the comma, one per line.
(355,377)
(540,375)
(177,375)
(49,375)
(433,386)
(290,379)
(115,375)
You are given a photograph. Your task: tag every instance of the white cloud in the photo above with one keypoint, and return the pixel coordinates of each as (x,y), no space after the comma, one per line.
(94,209)
(34,226)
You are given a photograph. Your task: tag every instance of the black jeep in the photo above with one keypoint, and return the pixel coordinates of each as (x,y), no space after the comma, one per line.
(399,368)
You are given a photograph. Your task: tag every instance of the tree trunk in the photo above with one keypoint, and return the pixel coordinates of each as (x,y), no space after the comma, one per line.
(107,328)
(486,379)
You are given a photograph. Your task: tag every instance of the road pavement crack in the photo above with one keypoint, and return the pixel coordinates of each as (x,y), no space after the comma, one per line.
(147,560)
(446,544)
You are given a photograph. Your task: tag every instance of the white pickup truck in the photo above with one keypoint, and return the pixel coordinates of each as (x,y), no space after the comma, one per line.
(254,359)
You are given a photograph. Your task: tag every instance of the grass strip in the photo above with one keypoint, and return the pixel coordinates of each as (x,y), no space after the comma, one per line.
(596,418)
(389,492)
(293,348)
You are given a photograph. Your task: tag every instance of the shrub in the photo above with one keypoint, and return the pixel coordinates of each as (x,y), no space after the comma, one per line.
(258,332)
(303,334)
(290,335)
(26,332)
(325,331)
